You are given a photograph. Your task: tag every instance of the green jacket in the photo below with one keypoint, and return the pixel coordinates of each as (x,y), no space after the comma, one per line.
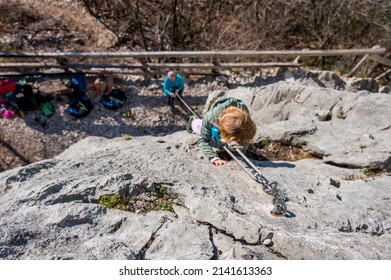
(211,116)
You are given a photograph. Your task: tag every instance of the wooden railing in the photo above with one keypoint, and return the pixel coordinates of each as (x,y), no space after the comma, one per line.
(35,63)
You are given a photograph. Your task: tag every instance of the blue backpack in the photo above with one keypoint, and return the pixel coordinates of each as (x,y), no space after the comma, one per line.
(80,106)
(114,100)
(78,84)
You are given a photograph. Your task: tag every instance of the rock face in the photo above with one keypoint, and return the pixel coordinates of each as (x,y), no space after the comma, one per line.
(343,128)
(50,210)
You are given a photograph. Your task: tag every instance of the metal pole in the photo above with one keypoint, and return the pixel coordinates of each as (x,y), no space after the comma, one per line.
(187,106)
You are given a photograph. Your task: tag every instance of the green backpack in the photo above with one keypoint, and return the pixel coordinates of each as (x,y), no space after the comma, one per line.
(47,109)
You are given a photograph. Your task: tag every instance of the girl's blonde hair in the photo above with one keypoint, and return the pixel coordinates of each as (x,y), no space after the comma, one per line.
(235,124)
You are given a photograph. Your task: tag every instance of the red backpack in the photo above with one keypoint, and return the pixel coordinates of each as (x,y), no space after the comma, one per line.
(6,86)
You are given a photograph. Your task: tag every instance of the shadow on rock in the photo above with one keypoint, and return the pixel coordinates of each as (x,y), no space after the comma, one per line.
(274,164)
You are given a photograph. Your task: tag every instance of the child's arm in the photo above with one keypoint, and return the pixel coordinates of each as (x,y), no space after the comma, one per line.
(204,140)
(203,143)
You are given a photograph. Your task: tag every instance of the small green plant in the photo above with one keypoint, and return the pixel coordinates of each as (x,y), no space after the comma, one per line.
(127,137)
(368,172)
(236,71)
(264,143)
(159,189)
(341,116)
(166,206)
(115,201)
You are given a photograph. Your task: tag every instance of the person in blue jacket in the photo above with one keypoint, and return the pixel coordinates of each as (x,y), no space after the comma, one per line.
(173,84)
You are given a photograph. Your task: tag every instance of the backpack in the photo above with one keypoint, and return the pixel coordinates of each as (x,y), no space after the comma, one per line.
(80,107)
(6,86)
(103,83)
(10,100)
(78,85)
(26,99)
(7,113)
(47,109)
(102,76)
(114,100)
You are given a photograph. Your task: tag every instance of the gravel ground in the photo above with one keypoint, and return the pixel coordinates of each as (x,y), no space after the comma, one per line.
(50,25)
(23,141)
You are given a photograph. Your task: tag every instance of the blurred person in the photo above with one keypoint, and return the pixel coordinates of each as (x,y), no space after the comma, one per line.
(173,84)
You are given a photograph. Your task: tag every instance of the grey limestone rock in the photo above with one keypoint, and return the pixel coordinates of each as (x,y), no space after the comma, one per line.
(50,210)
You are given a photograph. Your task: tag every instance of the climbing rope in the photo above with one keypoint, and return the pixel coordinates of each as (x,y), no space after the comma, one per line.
(269,187)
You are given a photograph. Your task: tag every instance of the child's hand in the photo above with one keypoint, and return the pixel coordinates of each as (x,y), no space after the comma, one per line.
(219,162)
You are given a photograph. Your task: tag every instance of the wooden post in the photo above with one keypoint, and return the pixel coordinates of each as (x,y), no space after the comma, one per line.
(92,71)
(383,75)
(214,65)
(147,66)
(296,60)
(358,65)
(198,54)
(381,60)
